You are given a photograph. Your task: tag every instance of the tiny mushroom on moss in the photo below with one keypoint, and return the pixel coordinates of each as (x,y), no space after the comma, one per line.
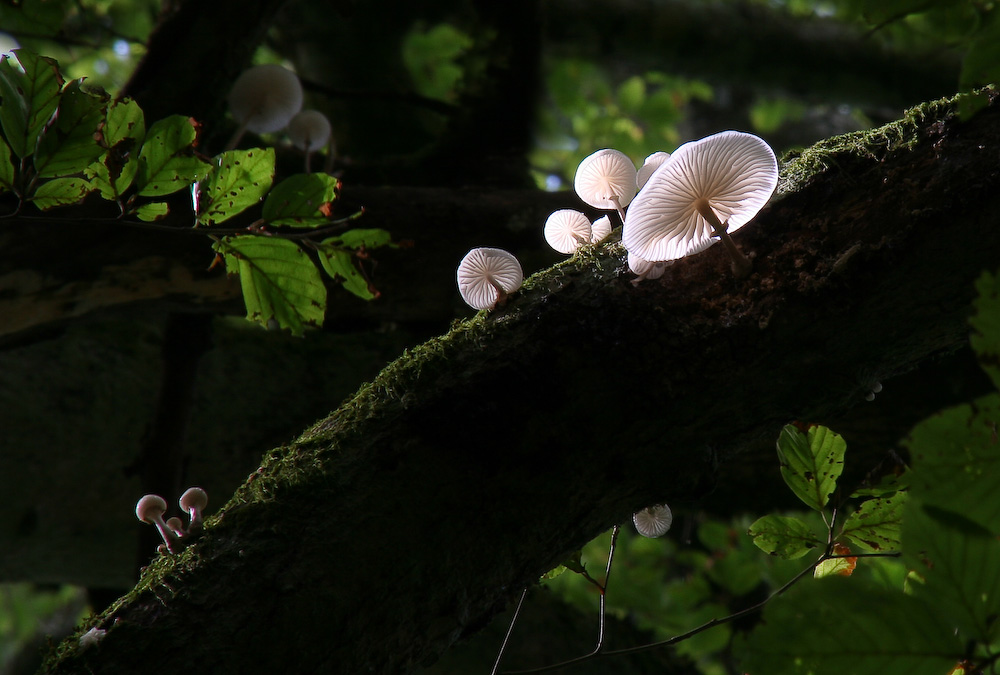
(567,230)
(649,165)
(706,189)
(309,131)
(653,521)
(486,276)
(264,99)
(606,180)
(644,269)
(150,509)
(193,502)
(600,229)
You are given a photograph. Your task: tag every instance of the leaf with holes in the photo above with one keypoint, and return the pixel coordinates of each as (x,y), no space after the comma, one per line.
(166,162)
(239,180)
(279,281)
(783,536)
(67,146)
(30,95)
(152,211)
(811,462)
(303,200)
(121,136)
(875,527)
(339,264)
(60,192)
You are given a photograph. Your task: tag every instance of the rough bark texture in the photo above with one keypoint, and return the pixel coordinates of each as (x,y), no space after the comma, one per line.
(477,461)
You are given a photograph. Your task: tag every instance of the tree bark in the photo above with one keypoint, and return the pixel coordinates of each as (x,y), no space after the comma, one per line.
(477,461)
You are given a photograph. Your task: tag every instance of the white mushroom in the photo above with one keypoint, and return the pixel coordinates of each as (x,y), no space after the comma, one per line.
(567,230)
(150,509)
(487,275)
(600,229)
(644,269)
(264,99)
(606,180)
(309,131)
(193,502)
(707,189)
(653,521)
(649,165)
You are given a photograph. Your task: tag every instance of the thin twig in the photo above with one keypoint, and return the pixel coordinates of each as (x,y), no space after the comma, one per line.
(510,629)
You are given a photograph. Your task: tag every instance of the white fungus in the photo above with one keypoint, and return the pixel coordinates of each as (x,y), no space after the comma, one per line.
(264,99)
(567,230)
(606,180)
(706,189)
(600,229)
(653,521)
(309,130)
(487,275)
(649,165)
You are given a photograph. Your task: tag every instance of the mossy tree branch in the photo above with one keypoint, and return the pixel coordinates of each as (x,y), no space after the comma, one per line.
(480,459)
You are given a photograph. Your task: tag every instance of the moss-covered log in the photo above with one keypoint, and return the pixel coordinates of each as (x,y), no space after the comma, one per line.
(477,461)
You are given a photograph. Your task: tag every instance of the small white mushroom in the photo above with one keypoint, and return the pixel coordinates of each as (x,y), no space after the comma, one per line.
(177,525)
(606,180)
(651,164)
(264,99)
(309,131)
(486,276)
(600,229)
(567,230)
(92,638)
(653,521)
(193,502)
(644,269)
(150,509)
(707,189)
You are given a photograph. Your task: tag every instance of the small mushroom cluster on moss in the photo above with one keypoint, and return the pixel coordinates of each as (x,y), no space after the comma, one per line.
(151,508)
(678,204)
(268,98)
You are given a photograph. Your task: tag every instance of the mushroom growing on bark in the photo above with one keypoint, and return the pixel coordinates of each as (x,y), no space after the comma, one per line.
(486,276)
(649,165)
(653,521)
(150,509)
(264,99)
(309,131)
(706,189)
(606,180)
(567,230)
(193,502)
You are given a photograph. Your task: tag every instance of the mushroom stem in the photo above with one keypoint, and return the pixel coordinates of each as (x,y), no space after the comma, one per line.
(170,537)
(741,264)
(237,136)
(618,207)
(501,293)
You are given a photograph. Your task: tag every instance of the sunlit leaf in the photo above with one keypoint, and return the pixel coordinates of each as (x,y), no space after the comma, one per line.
(841,625)
(29,98)
(956,459)
(166,164)
(67,146)
(811,462)
(362,238)
(339,264)
(122,135)
(783,536)
(152,211)
(7,167)
(985,322)
(875,527)
(279,281)
(60,192)
(302,200)
(959,571)
(239,180)
(843,566)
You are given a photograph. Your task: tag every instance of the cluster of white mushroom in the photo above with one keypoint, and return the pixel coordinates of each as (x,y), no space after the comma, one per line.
(678,204)
(266,99)
(150,509)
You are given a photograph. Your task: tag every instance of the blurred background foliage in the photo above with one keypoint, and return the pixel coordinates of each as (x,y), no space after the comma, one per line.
(585,101)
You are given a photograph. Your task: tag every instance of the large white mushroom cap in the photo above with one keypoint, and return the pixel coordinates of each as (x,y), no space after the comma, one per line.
(734,173)
(567,230)
(309,130)
(605,176)
(486,272)
(265,98)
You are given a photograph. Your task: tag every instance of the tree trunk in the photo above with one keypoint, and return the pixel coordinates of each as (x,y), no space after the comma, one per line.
(477,461)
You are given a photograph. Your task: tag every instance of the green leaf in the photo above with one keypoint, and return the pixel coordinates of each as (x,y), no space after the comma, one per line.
(29,98)
(302,200)
(7,168)
(166,164)
(68,146)
(833,566)
(956,459)
(875,527)
(811,462)
(279,281)
(152,211)
(887,485)
(60,192)
(985,322)
(839,625)
(239,180)
(339,264)
(363,238)
(783,536)
(122,134)
(959,570)
(981,65)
